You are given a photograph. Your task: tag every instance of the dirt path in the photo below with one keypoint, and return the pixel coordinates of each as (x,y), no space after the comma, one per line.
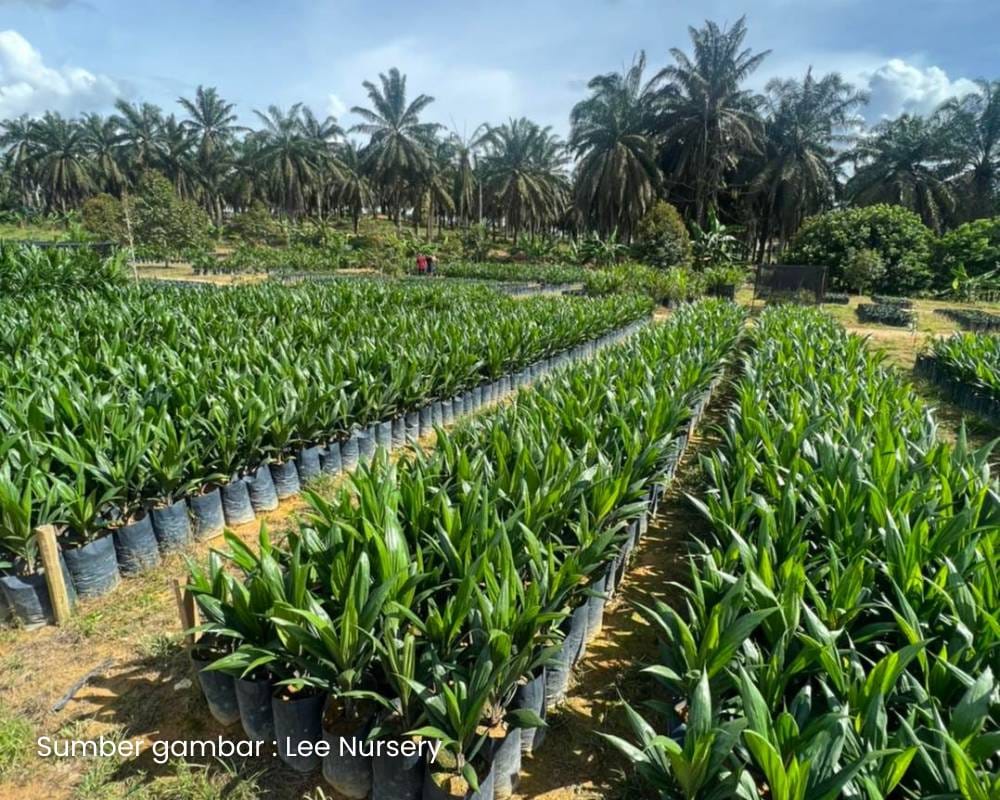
(574,763)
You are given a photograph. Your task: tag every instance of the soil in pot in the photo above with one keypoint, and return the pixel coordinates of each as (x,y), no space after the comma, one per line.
(345,767)
(93,567)
(286,479)
(172,526)
(412,425)
(531,695)
(398,432)
(28,596)
(397,776)
(505,745)
(136,546)
(207,515)
(218,687)
(350,451)
(236,506)
(308,462)
(253,695)
(330,459)
(263,496)
(298,719)
(442,781)
(383,434)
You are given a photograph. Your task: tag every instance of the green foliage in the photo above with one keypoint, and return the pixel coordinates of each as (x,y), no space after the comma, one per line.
(863,269)
(303,364)
(442,580)
(257,226)
(163,225)
(103,217)
(970,250)
(601,251)
(662,239)
(837,633)
(15,741)
(673,285)
(32,269)
(885,314)
(901,240)
(714,244)
(970,360)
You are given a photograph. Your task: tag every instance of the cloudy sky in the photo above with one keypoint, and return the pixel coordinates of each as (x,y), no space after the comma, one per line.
(482,60)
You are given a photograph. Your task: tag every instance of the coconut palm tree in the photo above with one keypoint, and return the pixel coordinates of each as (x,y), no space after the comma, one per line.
(103,141)
(352,190)
(60,162)
(17,139)
(141,135)
(466,191)
(904,161)
(613,135)
(291,160)
(710,120)
(211,120)
(973,123)
(178,160)
(797,172)
(396,154)
(523,171)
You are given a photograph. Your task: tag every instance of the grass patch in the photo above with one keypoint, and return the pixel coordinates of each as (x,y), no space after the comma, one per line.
(16,736)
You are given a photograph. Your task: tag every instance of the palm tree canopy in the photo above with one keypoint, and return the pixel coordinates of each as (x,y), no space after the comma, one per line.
(614,135)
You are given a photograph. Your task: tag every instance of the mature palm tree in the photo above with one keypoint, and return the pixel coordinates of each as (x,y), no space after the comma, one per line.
(903,161)
(710,120)
(177,157)
(325,134)
(523,172)
(102,138)
(433,188)
(17,139)
(973,123)
(396,154)
(352,189)
(292,161)
(466,191)
(617,177)
(797,171)
(211,119)
(60,161)
(141,134)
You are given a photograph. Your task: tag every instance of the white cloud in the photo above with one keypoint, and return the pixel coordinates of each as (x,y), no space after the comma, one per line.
(335,106)
(29,86)
(898,87)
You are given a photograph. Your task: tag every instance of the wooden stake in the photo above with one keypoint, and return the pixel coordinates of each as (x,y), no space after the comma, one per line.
(187,609)
(48,548)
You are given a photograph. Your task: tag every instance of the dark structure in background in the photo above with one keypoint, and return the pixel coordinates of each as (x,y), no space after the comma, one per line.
(788,282)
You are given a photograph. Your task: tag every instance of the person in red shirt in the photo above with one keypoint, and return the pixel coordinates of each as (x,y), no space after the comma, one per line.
(421,264)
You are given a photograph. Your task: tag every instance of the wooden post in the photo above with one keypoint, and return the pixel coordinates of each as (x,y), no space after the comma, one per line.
(48,548)
(187,609)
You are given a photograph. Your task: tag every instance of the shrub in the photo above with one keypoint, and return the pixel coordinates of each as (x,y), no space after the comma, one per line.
(163,225)
(901,240)
(838,298)
(662,238)
(885,314)
(672,285)
(257,226)
(103,217)
(863,269)
(971,249)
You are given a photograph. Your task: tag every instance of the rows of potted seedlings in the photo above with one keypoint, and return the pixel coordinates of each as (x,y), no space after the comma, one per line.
(837,635)
(410,636)
(136,419)
(966,367)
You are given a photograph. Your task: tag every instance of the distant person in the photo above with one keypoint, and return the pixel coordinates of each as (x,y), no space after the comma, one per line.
(421,264)
(430,265)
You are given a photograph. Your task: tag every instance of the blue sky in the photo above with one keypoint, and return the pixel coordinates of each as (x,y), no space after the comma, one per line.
(483,61)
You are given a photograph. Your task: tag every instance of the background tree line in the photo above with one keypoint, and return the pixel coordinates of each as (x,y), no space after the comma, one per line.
(693,134)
